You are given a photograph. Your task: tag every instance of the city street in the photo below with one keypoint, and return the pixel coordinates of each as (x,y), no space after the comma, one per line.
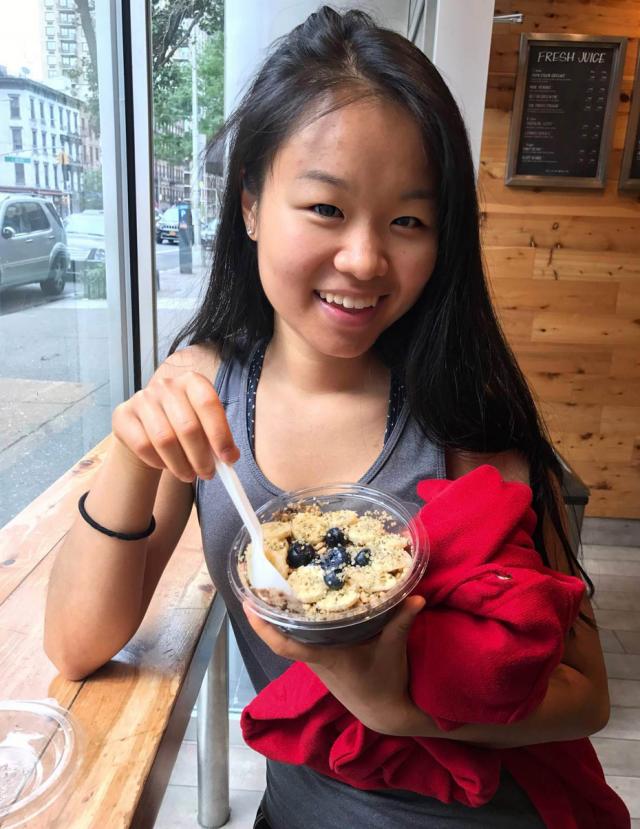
(55,397)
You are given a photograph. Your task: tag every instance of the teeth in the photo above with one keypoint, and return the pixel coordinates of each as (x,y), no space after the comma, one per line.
(348,302)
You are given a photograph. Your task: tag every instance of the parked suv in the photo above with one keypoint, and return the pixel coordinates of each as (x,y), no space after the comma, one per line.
(33,244)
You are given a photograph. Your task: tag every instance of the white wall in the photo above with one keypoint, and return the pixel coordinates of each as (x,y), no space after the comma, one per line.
(461,47)
(457,38)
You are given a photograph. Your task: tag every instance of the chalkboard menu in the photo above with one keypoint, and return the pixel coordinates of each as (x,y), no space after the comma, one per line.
(565,102)
(630,168)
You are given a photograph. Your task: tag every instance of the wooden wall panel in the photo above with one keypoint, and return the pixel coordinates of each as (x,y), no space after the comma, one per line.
(564,270)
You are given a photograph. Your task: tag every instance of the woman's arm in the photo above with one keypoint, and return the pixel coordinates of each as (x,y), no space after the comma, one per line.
(577,700)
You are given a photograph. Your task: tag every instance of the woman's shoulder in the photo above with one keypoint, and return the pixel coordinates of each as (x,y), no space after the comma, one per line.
(511,464)
(201,357)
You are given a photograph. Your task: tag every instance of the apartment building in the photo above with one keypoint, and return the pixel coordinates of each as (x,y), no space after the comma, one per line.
(40,141)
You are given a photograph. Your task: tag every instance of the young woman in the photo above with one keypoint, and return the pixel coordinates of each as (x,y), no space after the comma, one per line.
(346,335)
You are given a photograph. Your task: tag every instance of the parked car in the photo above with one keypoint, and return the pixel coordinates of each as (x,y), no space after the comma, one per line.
(33,244)
(169,225)
(85,239)
(208,233)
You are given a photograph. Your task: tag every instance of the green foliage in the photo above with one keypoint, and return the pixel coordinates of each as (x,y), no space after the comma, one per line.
(172,107)
(91,194)
(172,22)
(94,279)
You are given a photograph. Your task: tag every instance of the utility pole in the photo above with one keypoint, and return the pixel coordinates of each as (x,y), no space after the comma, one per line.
(195,172)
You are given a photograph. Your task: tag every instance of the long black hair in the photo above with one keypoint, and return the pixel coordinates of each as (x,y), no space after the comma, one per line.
(464,386)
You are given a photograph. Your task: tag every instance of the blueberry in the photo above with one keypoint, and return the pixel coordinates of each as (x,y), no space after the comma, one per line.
(363,557)
(300,554)
(334,579)
(334,537)
(336,557)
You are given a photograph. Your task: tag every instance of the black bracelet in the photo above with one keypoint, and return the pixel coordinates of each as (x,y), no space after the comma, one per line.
(112,533)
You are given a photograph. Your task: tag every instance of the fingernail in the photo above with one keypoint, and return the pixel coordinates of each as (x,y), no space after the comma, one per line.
(229,455)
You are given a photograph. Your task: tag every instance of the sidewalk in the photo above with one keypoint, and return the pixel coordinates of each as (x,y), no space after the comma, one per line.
(54,379)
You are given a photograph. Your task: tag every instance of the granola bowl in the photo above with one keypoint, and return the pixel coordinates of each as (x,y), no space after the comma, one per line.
(350,554)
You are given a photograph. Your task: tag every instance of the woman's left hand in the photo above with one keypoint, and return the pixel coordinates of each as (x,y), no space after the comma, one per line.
(370,679)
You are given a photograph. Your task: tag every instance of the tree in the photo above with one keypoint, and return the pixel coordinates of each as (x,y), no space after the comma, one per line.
(172,108)
(172,22)
(91,195)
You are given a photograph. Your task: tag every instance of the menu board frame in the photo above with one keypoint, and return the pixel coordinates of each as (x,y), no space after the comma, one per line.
(597,181)
(632,136)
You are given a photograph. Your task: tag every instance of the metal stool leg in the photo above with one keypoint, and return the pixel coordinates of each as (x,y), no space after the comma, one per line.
(213,738)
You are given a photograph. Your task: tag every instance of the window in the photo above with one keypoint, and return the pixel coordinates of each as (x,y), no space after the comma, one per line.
(53,214)
(75,122)
(35,217)
(68,121)
(87,424)
(33,107)
(34,139)
(67,34)
(44,140)
(46,174)
(16,136)
(13,218)
(42,110)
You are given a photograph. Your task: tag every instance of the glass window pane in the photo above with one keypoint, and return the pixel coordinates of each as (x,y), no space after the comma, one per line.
(188,67)
(55,386)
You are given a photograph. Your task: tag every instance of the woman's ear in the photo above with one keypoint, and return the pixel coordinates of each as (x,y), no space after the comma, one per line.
(249,211)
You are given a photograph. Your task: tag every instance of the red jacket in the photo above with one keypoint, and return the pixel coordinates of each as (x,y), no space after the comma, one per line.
(481,651)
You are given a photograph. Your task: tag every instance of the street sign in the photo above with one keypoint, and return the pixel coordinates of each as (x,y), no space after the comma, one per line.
(16,159)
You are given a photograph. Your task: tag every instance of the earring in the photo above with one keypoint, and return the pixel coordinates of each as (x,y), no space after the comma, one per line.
(250,231)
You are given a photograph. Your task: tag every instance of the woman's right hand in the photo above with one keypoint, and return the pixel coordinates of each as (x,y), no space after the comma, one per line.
(177,423)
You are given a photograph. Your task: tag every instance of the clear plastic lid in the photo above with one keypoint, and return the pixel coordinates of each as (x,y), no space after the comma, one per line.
(39,755)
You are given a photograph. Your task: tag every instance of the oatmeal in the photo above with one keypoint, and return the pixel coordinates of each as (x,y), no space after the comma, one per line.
(335,562)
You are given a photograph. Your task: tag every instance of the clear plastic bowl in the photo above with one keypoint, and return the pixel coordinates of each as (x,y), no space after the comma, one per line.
(40,751)
(354,625)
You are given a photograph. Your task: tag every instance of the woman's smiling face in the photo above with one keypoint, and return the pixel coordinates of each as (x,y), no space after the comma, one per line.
(346,227)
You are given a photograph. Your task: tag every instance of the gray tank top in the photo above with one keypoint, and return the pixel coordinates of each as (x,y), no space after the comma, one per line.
(297,796)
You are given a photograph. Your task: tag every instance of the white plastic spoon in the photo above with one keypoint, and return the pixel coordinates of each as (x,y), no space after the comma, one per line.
(262,574)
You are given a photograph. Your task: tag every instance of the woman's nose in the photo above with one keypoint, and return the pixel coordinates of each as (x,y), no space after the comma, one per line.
(362,256)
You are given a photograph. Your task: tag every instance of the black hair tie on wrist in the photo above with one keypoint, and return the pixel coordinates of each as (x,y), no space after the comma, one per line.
(112,533)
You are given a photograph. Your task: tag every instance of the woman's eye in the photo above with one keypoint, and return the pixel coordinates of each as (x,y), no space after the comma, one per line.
(408,221)
(326,210)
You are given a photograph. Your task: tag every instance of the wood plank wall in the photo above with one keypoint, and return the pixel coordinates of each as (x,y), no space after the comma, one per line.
(564,267)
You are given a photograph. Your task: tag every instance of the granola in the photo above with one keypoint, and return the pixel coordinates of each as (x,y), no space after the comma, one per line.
(336,562)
